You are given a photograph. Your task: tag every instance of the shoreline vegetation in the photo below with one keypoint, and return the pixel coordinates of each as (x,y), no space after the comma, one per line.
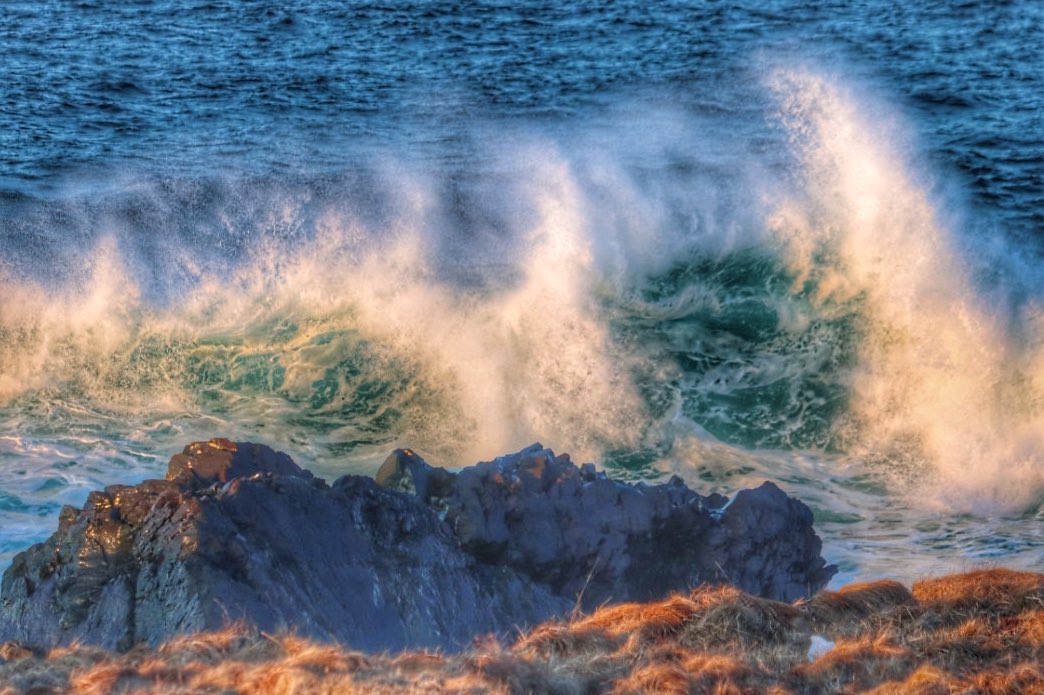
(979,632)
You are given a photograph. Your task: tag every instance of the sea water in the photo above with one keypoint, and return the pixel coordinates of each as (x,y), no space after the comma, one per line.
(799,242)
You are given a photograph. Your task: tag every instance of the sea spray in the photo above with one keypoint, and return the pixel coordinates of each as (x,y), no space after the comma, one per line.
(941,394)
(355,328)
(682,297)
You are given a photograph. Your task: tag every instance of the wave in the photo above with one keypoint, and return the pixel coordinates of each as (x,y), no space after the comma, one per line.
(621,292)
(946,388)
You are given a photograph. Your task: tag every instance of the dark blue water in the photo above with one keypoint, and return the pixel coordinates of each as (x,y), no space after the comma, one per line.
(797,241)
(181,88)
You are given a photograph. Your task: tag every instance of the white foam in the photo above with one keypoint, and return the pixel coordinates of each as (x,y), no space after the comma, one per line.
(942,392)
(945,391)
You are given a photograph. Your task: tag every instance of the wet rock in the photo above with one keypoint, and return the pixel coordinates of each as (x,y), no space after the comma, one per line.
(220,460)
(404,470)
(584,534)
(426,558)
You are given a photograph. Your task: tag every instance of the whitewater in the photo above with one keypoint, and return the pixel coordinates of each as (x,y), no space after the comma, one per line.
(779,277)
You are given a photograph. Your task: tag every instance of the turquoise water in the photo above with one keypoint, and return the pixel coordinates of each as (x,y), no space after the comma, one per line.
(759,242)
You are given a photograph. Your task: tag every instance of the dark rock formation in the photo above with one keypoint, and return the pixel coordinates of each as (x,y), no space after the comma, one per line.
(426,558)
(578,531)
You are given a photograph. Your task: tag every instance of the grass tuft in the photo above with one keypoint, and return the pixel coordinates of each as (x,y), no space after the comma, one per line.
(981,632)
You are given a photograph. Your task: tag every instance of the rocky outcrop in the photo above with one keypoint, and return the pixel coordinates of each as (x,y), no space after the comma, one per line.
(582,533)
(419,557)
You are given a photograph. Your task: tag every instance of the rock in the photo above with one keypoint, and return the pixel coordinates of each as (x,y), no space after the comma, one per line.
(764,529)
(426,559)
(585,534)
(219,460)
(406,471)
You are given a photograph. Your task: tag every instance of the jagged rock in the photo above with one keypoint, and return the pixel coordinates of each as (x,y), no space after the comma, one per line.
(430,559)
(583,533)
(405,471)
(220,460)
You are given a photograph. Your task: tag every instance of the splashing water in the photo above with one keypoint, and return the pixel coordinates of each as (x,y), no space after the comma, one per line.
(658,299)
(945,393)
(356,336)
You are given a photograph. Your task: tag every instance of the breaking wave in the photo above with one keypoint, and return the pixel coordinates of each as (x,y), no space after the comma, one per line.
(629,293)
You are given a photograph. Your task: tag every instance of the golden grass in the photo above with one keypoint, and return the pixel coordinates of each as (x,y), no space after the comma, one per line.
(859,664)
(845,610)
(997,590)
(981,632)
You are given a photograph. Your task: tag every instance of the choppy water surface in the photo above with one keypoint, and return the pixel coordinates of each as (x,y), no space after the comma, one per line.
(766,242)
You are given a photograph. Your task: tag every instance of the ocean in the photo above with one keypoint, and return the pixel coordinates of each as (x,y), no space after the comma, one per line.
(787,241)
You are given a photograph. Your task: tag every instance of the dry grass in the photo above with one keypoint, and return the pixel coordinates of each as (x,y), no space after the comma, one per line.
(846,610)
(981,632)
(999,591)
